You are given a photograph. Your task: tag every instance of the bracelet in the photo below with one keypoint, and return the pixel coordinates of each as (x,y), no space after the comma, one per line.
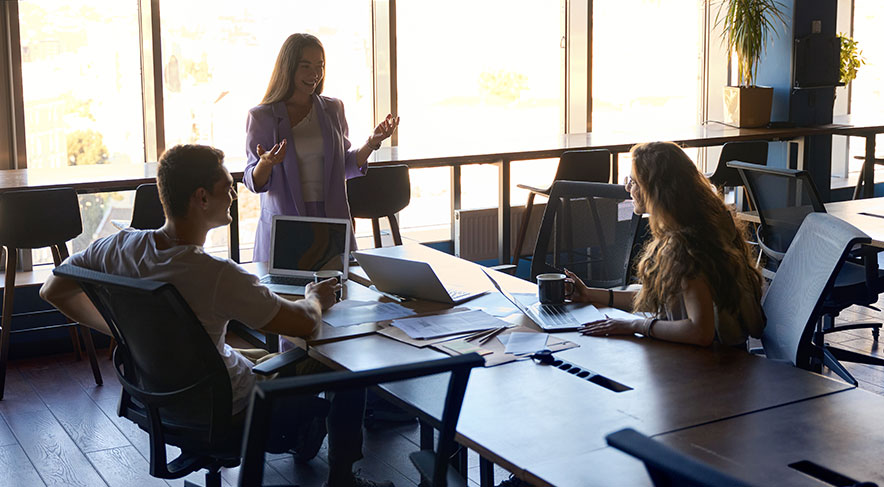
(610,298)
(650,325)
(371,146)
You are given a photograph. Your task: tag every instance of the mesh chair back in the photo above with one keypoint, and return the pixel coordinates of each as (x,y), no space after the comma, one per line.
(164,358)
(783,198)
(36,218)
(804,278)
(383,191)
(147,211)
(588,228)
(433,466)
(585,165)
(754,152)
(667,467)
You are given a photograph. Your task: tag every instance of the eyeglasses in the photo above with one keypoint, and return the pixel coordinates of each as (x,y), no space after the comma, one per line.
(629,182)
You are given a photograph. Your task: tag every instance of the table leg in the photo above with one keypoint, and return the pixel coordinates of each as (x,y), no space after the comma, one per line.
(426,436)
(455,194)
(486,472)
(869,168)
(503,212)
(233,228)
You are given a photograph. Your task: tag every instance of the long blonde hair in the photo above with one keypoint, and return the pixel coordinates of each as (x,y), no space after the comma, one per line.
(282,81)
(693,234)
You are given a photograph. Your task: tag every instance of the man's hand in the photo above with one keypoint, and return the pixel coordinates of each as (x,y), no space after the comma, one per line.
(324,292)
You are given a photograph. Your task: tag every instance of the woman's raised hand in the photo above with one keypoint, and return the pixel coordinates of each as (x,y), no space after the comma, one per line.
(273,156)
(384,129)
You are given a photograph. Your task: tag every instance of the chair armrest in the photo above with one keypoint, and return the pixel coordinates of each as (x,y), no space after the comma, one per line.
(273,365)
(543,191)
(506,268)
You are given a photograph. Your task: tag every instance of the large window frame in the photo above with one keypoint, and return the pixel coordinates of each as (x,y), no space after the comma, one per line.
(576,64)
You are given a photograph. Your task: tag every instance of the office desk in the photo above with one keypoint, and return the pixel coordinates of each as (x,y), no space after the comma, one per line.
(851,212)
(480,149)
(523,416)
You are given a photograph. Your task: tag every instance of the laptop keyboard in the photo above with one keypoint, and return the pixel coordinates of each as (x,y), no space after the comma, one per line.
(286,280)
(457,293)
(554,316)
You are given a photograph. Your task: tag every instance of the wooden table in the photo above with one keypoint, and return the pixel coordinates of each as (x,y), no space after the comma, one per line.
(524,416)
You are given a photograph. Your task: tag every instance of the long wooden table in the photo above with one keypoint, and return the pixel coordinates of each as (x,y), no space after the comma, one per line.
(468,149)
(525,416)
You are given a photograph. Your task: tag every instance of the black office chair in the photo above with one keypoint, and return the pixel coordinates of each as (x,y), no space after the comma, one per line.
(175,385)
(725,177)
(147,211)
(578,165)
(382,192)
(667,467)
(433,466)
(590,229)
(783,199)
(33,219)
(796,300)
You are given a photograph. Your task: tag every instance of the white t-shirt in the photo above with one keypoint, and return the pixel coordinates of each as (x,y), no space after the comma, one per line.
(307,135)
(217,290)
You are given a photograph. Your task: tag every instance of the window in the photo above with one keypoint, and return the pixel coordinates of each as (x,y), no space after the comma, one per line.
(217,62)
(81,77)
(866,96)
(477,71)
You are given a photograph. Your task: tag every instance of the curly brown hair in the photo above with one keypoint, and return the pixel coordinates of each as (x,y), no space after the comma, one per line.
(693,235)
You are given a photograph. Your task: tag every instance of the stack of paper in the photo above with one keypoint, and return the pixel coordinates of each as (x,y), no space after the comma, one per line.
(350,312)
(425,327)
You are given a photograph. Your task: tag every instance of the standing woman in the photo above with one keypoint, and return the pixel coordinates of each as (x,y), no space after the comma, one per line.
(310,157)
(698,275)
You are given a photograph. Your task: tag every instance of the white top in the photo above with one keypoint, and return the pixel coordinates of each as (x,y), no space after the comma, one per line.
(217,290)
(307,135)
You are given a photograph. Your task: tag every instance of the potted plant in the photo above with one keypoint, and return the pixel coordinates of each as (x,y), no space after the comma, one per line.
(747,26)
(851,58)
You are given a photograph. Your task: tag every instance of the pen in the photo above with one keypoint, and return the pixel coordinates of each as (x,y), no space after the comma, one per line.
(398,299)
(491,335)
(871,214)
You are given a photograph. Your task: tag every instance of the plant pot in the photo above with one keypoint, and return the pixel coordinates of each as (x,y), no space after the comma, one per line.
(747,106)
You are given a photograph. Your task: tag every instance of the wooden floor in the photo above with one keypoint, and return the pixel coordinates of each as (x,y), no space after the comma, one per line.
(58,428)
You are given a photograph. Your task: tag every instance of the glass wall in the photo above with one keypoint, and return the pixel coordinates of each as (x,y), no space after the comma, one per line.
(81,77)
(867,98)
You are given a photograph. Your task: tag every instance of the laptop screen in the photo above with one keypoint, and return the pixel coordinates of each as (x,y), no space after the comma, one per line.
(306,245)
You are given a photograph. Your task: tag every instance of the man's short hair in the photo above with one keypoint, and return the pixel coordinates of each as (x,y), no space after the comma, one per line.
(182,170)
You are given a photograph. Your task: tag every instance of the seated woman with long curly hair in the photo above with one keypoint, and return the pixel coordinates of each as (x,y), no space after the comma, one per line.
(698,276)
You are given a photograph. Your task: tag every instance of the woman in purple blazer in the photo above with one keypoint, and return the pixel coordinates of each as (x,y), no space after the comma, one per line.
(310,156)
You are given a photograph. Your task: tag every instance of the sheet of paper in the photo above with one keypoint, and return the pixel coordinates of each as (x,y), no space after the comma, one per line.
(519,343)
(620,314)
(348,312)
(496,305)
(424,327)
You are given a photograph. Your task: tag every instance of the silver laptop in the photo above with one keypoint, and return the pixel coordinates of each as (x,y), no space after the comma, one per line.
(410,278)
(553,317)
(302,245)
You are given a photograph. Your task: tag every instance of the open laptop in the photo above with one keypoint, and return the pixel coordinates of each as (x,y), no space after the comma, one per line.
(410,278)
(553,317)
(302,245)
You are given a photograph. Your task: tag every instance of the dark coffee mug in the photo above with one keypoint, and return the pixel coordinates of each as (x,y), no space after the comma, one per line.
(551,288)
(319,276)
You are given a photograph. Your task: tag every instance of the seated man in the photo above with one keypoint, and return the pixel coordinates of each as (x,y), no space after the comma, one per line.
(196,191)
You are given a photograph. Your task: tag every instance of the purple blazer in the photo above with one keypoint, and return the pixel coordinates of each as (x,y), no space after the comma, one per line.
(281,195)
